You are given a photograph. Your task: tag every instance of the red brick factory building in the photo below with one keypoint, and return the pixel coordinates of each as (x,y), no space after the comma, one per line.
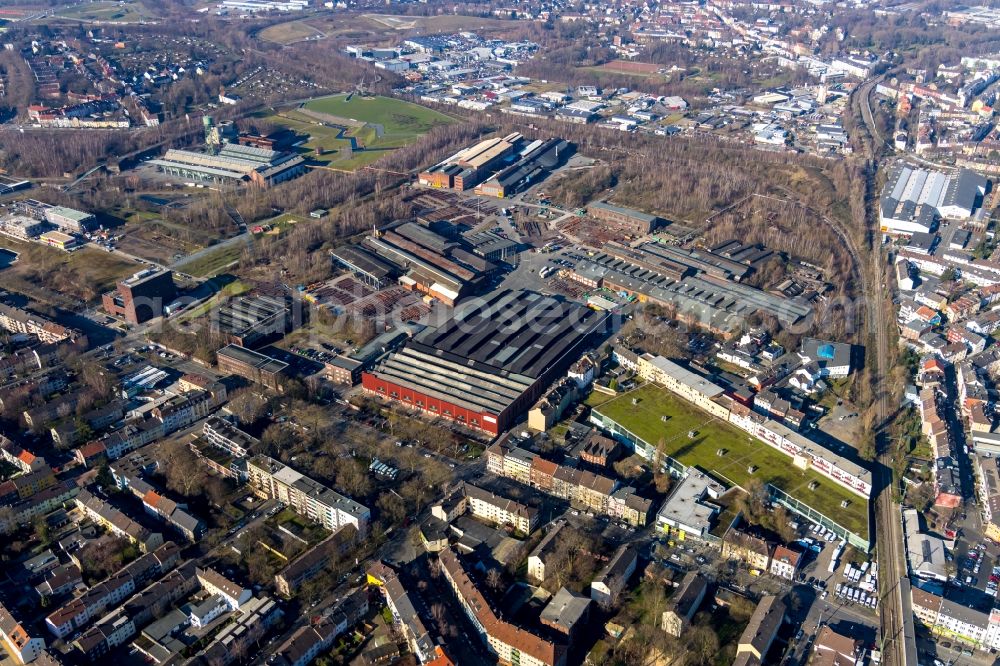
(491,361)
(141,297)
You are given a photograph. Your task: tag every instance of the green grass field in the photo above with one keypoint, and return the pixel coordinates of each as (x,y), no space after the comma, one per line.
(644,420)
(212,262)
(400,119)
(400,123)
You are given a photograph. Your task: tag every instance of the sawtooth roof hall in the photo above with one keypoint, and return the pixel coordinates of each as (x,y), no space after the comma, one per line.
(487,364)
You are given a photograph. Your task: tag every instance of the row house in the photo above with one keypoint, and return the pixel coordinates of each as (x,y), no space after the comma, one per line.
(584,488)
(19,640)
(19,457)
(111,592)
(117,522)
(952,620)
(138,610)
(501,510)
(128,475)
(755,551)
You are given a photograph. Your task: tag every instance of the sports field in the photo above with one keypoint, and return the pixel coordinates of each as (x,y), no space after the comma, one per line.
(644,419)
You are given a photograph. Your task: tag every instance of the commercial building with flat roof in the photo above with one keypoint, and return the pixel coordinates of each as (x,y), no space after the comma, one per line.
(635,221)
(69,220)
(252,365)
(491,361)
(688,511)
(470,166)
(924,553)
(58,239)
(533,164)
(913,199)
(701,286)
(272,480)
(252,320)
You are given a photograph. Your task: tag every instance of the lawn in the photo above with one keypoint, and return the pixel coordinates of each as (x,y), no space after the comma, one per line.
(381,125)
(290,32)
(644,419)
(400,119)
(211,262)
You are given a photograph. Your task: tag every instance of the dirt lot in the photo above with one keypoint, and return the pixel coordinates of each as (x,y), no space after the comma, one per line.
(159,241)
(66,279)
(630,67)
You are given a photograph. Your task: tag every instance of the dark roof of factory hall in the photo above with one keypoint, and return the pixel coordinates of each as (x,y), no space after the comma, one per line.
(519,332)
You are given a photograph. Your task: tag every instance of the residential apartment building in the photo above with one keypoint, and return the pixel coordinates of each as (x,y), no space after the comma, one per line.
(628,507)
(501,510)
(583,488)
(271,479)
(785,562)
(246,628)
(753,550)
(307,642)
(215,583)
(543,552)
(689,385)
(128,475)
(510,643)
(138,610)
(77,613)
(314,561)
(761,631)
(117,522)
(400,602)
(951,620)
(223,434)
(19,457)
(684,604)
(18,641)
(40,504)
(613,578)
(16,320)
(80,611)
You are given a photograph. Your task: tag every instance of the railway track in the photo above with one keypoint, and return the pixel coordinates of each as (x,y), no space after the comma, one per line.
(897,642)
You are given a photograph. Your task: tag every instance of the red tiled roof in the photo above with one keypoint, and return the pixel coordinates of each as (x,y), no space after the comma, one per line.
(543,650)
